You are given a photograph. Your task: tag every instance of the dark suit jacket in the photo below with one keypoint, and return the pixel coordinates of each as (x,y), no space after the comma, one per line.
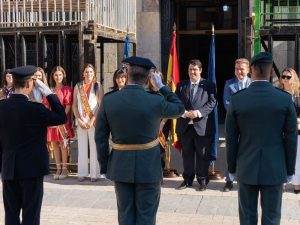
(23,127)
(204,101)
(231,87)
(261,135)
(132,116)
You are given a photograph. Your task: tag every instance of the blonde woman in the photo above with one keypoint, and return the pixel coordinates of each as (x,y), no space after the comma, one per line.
(289,82)
(36,95)
(87,97)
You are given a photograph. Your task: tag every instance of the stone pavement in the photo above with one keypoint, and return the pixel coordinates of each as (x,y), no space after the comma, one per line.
(86,203)
(71,202)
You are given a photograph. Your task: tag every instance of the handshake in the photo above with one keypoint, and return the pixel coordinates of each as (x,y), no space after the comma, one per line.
(43,88)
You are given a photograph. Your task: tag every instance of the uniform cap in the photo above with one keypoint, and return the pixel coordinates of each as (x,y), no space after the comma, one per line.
(139,61)
(264,57)
(23,71)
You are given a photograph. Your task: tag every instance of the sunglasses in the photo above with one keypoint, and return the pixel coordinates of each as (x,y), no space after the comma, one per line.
(286,77)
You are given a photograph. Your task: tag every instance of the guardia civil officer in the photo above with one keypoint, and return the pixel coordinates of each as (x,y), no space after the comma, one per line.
(23,127)
(261,140)
(132,115)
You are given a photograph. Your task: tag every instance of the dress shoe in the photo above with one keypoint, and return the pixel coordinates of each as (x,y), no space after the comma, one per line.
(228,186)
(296,191)
(94,179)
(183,186)
(202,186)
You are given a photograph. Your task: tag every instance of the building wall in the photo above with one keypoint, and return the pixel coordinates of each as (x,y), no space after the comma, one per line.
(148,30)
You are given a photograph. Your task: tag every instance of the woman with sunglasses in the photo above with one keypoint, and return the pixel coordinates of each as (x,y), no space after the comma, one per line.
(289,82)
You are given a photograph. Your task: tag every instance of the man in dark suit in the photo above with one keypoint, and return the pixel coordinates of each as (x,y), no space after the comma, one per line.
(195,128)
(25,160)
(132,116)
(261,140)
(239,82)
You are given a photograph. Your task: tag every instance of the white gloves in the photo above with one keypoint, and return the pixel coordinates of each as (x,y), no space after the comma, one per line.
(43,88)
(157,80)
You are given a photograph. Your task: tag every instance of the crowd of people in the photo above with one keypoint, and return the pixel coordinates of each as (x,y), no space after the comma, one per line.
(111,144)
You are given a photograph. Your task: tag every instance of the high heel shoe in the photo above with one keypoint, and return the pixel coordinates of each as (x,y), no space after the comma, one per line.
(58,172)
(64,173)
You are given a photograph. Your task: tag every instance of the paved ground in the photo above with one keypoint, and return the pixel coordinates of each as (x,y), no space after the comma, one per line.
(86,203)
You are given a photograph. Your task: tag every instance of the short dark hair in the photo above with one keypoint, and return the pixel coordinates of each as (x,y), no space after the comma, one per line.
(20,82)
(196,62)
(263,69)
(138,75)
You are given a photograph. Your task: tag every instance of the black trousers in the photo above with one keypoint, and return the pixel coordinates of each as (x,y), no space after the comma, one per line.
(195,147)
(270,200)
(137,202)
(25,194)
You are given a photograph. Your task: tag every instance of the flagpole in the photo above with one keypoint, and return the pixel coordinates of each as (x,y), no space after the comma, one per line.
(168,171)
(213,174)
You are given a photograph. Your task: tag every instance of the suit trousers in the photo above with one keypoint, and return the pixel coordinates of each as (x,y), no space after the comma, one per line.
(86,138)
(195,147)
(25,194)
(137,202)
(270,200)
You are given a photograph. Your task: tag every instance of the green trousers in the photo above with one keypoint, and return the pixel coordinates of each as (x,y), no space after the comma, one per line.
(137,202)
(270,200)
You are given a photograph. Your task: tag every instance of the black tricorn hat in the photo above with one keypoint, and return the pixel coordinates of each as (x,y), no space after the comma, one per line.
(139,61)
(265,57)
(23,71)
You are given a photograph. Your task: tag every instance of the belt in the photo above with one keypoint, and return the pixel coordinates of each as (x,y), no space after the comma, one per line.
(148,145)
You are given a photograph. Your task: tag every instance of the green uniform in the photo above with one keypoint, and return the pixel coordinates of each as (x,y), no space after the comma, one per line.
(261,141)
(132,116)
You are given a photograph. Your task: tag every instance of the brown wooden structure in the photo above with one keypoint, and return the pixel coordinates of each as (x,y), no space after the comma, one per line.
(69,33)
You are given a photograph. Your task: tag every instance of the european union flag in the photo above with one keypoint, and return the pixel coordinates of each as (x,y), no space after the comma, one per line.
(126,47)
(212,78)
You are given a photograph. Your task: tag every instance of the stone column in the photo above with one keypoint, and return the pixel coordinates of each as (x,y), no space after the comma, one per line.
(148,30)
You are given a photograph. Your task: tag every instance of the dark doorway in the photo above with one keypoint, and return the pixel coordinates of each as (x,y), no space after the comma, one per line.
(197,47)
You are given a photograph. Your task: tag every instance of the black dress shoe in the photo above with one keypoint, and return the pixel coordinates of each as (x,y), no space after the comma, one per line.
(183,186)
(202,186)
(296,191)
(228,186)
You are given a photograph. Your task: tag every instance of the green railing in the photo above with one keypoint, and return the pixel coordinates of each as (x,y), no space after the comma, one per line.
(274,13)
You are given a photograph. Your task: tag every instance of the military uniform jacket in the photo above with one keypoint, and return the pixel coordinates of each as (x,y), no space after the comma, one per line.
(132,116)
(23,127)
(204,101)
(261,135)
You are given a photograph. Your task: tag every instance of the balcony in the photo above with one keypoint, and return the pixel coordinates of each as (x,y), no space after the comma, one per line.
(111,15)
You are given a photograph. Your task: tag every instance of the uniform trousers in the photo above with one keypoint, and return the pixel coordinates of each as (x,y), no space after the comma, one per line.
(296,177)
(137,202)
(195,147)
(270,200)
(25,194)
(87,138)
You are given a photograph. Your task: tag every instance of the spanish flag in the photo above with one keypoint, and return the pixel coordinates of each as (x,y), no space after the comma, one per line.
(173,79)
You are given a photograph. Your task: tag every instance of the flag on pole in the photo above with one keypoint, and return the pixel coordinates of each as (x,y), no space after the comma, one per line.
(173,79)
(126,47)
(212,78)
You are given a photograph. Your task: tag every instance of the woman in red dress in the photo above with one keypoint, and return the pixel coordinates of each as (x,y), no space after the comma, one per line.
(59,135)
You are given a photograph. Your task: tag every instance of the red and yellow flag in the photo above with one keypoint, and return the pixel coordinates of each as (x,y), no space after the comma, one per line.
(173,79)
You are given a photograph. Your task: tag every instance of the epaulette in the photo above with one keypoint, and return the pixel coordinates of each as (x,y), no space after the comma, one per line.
(110,92)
